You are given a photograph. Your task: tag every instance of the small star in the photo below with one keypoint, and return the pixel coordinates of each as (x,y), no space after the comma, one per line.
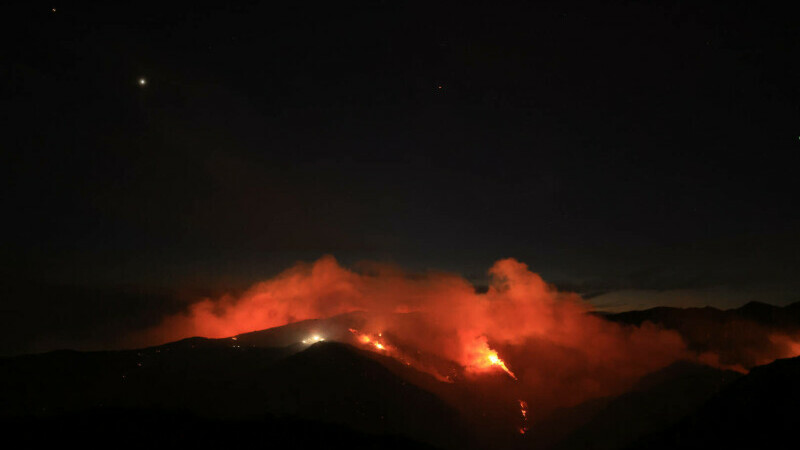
(142,81)
(54,10)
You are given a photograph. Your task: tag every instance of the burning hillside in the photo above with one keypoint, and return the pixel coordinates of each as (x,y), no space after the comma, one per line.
(552,352)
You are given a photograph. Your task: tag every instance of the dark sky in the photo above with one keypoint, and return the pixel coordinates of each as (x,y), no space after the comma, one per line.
(640,153)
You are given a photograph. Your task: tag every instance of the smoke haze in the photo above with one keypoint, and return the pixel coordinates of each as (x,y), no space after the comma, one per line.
(560,353)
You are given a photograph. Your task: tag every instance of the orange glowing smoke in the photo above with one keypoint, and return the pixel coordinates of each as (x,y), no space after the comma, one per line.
(561,355)
(786,346)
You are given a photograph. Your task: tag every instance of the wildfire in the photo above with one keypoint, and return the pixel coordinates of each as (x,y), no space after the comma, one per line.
(485,358)
(369,340)
(496,361)
(439,324)
(523,410)
(379,344)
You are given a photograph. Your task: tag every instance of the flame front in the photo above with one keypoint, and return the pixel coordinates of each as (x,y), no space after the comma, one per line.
(372,341)
(484,358)
(496,361)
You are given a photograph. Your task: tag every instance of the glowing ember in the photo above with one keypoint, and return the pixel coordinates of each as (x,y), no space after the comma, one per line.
(523,409)
(366,339)
(378,343)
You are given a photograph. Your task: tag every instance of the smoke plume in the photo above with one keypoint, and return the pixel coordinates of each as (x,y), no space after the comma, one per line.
(560,353)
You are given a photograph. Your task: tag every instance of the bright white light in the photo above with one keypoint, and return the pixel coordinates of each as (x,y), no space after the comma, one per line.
(313,339)
(142,81)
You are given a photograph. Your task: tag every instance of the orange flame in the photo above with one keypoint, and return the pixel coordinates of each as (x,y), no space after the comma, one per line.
(485,358)
(496,361)
(368,340)
(523,410)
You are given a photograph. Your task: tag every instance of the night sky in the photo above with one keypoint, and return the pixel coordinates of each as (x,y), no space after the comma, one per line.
(639,153)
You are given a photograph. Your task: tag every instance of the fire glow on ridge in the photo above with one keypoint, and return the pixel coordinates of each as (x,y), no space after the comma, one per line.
(313,339)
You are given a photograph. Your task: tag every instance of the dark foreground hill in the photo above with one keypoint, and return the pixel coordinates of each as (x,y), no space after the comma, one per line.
(123,428)
(218,386)
(760,410)
(657,401)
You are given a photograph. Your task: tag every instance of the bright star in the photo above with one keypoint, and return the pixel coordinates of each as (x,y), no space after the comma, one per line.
(142,81)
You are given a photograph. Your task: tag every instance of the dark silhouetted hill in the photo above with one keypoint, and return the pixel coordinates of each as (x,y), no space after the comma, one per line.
(657,401)
(759,410)
(222,382)
(105,428)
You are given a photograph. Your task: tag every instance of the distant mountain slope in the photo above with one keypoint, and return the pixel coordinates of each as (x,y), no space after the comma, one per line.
(760,410)
(777,317)
(752,335)
(332,328)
